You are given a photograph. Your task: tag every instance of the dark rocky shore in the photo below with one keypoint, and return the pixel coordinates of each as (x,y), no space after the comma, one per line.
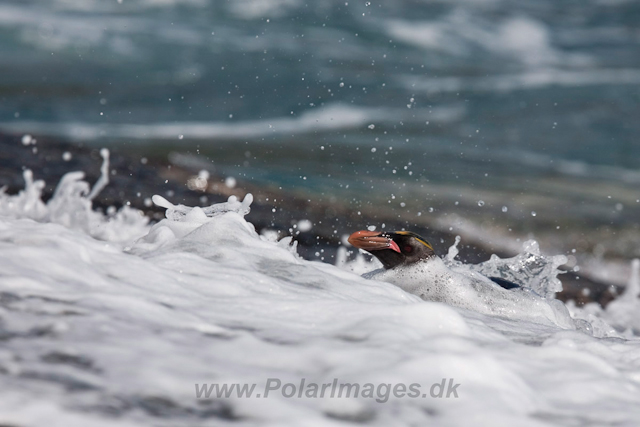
(135,177)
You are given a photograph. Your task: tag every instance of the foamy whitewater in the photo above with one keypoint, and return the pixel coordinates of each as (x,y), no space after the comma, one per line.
(106,320)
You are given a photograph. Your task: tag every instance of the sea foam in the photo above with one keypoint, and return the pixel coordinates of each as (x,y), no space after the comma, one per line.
(99,333)
(71,206)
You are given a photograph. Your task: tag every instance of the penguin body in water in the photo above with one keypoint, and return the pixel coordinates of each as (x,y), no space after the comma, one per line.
(403,248)
(410,263)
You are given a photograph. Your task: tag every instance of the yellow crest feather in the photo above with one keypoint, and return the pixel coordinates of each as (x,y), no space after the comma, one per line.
(419,239)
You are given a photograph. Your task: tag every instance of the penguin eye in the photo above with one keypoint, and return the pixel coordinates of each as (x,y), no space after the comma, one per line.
(407,249)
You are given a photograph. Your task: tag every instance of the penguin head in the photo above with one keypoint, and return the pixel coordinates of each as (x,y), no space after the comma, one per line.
(393,248)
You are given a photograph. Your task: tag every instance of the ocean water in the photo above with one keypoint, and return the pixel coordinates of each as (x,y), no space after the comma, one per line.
(107,320)
(511,124)
(500,121)
(497,121)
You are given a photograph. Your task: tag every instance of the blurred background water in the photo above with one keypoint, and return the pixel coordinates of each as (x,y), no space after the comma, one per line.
(498,120)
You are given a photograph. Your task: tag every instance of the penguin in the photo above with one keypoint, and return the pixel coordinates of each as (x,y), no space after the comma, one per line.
(395,249)
(410,263)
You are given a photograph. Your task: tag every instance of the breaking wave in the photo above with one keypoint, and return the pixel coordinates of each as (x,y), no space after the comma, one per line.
(202,297)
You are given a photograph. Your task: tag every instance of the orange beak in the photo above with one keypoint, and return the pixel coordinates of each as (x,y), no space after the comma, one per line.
(372,241)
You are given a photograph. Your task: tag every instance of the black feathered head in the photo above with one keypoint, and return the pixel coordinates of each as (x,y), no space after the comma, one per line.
(393,248)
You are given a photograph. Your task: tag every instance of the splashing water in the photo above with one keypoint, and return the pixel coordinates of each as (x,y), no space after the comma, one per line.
(358,265)
(529,268)
(71,206)
(221,220)
(103,181)
(201,298)
(621,315)
(180,212)
(624,312)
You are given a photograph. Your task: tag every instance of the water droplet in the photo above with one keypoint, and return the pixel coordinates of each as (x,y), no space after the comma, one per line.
(371,126)
(481,203)
(304,225)
(504,209)
(230,182)
(533,213)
